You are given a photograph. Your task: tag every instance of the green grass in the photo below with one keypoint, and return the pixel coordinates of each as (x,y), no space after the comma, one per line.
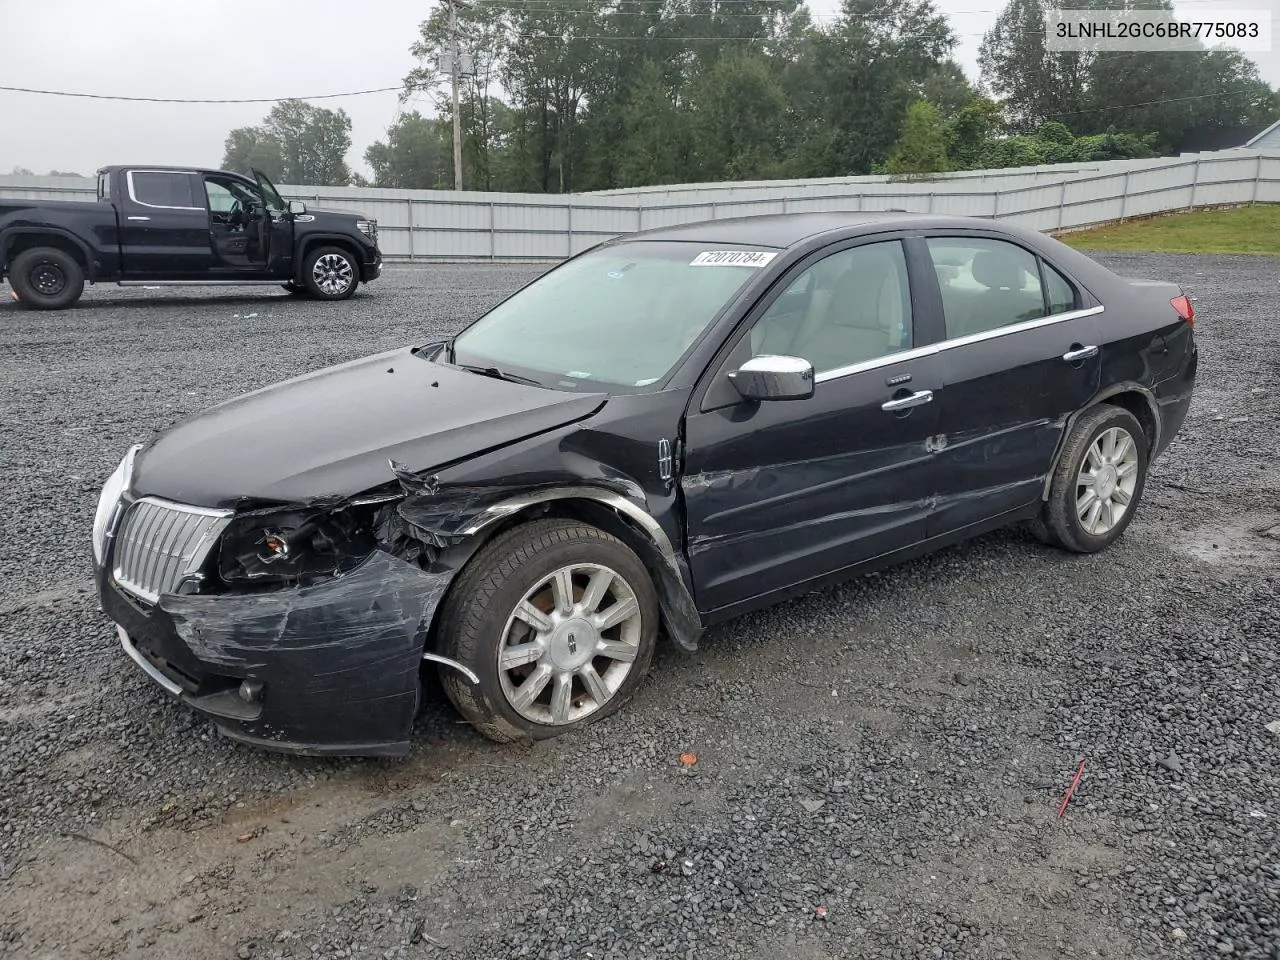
(1242,230)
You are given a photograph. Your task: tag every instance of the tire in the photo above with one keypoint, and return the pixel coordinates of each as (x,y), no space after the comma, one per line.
(331,273)
(1070,521)
(46,278)
(479,620)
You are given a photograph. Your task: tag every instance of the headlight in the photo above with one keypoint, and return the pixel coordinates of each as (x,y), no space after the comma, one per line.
(109,503)
(295,546)
(369,228)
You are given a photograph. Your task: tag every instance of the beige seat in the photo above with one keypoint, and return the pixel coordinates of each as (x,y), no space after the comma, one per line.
(863,315)
(1005,300)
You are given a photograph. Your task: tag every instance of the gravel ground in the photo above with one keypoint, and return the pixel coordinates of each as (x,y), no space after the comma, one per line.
(878,764)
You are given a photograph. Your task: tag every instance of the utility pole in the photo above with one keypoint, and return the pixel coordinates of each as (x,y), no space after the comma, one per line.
(457,117)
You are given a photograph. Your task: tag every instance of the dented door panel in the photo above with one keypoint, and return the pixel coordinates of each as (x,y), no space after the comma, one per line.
(1008,400)
(780,493)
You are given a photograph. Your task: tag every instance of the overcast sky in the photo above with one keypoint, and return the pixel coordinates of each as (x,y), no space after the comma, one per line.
(252,48)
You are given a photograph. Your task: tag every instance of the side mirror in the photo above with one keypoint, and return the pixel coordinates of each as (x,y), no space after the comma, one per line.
(774,378)
(297,207)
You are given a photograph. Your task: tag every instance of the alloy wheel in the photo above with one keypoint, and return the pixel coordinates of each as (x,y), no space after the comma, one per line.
(569,644)
(333,273)
(1107,480)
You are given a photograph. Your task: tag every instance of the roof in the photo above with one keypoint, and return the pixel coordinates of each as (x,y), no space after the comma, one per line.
(161,168)
(788,229)
(1260,136)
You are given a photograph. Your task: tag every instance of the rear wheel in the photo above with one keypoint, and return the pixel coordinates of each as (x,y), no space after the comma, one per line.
(1097,483)
(558,620)
(46,279)
(331,273)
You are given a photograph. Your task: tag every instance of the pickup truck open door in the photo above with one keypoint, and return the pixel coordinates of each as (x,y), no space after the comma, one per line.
(280,220)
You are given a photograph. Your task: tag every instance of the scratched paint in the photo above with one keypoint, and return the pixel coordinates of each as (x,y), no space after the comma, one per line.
(341,656)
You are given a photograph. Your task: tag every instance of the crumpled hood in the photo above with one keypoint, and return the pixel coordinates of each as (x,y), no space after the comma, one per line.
(332,432)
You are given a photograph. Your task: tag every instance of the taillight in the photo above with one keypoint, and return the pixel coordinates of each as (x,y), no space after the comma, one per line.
(1185,310)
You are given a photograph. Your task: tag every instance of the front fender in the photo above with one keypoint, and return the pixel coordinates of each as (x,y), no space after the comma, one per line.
(459,520)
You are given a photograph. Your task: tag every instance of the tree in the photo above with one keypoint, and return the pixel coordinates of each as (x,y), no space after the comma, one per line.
(865,69)
(924,143)
(1034,84)
(549,61)
(483,38)
(734,110)
(947,88)
(417,155)
(297,143)
(249,148)
(978,122)
(654,145)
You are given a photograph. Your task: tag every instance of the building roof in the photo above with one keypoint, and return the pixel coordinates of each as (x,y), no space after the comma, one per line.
(1259,136)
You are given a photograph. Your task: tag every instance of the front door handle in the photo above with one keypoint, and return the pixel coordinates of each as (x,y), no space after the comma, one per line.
(139,218)
(1079,353)
(904,403)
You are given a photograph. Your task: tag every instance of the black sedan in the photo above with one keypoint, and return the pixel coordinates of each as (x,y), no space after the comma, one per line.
(669,430)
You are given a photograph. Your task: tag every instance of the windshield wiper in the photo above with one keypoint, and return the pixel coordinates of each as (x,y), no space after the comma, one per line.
(497,374)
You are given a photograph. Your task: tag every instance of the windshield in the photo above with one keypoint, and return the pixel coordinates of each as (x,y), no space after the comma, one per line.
(622,316)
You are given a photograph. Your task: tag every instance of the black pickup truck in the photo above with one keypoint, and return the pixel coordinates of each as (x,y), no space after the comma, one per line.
(181,226)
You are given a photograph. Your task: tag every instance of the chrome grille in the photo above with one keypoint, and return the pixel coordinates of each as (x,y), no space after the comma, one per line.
(161,543)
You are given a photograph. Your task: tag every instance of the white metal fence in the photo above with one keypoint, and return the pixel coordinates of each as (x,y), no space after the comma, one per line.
(451,225)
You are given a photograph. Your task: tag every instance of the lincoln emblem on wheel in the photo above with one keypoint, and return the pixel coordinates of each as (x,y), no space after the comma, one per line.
(826,395)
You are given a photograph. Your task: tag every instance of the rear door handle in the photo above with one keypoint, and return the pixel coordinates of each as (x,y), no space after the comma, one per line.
(139,218)
(1081,353)
(903,403)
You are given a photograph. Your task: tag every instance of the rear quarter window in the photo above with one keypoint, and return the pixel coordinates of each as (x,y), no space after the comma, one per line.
(1062,296)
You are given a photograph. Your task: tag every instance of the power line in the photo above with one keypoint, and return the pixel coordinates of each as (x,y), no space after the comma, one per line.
(104,96)
(1146,103)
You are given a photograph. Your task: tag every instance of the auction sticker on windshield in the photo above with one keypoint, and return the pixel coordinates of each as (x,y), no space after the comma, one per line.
(732,258)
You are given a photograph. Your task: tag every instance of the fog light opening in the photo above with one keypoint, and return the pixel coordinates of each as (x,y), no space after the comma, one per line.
(251,691)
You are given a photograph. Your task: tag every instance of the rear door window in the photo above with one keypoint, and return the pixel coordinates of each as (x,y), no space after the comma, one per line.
(163,189)
(986,284)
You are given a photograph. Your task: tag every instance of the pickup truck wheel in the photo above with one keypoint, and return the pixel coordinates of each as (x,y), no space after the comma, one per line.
(331,273)
(1098,482)
(558,620)
(46,279)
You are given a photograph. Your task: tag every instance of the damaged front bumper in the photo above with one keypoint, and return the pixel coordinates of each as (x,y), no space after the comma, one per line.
(332,668)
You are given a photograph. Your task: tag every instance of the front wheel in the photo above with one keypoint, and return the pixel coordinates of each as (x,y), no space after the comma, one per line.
(1098,481)
(558,620)
(46,279)
(331,273)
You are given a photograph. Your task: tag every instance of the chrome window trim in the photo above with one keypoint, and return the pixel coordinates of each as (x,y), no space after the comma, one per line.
(915,353)
(919,352)
(158,206)
(1020,327)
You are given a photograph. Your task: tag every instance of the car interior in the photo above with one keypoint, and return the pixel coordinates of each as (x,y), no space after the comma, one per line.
(236,224)
(847,308)
(985,285)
